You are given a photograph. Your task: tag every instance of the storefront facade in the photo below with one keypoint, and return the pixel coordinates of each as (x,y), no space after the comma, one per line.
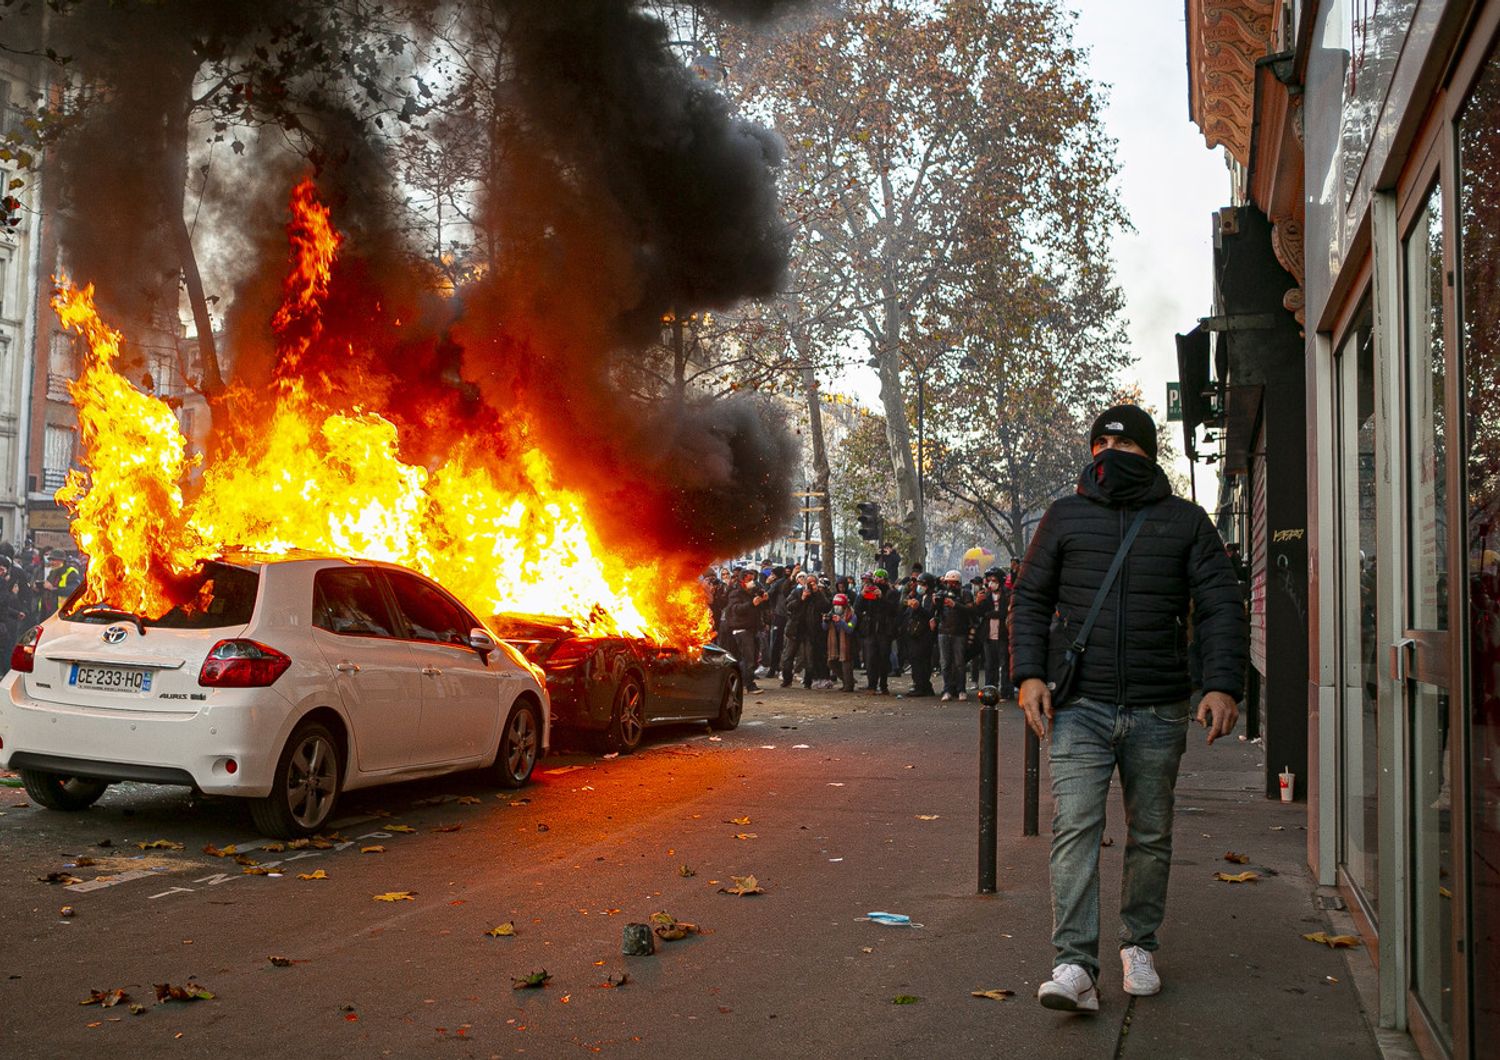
(1396,109)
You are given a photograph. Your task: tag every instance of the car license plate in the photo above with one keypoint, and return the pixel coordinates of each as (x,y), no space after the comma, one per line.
(110,678)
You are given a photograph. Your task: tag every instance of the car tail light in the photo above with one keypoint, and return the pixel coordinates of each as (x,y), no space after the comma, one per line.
(23,655)
(566,654)
(242,664)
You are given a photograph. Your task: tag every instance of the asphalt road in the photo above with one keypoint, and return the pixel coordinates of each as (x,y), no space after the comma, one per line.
(838,805)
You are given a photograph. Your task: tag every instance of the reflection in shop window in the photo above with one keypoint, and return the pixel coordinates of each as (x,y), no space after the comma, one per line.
(1479,263)
(1428,438)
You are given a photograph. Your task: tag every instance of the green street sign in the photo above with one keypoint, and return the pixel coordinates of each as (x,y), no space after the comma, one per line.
(1174,402)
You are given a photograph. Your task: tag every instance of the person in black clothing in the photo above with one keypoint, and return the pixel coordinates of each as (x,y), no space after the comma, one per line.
(805,607)
(916,623)
(742,617)
(991,609)
(875,614)
(778,588)
(1127,708)
(952,608)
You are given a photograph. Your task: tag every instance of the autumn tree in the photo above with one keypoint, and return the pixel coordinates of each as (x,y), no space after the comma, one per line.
(938,140)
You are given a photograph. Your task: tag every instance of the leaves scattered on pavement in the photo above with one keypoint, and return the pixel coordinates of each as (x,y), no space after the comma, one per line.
(669,929)
(403,829)
(258,870)
(1237,877)
(685,872)
(746,835)
(64,878)
(1236,859)
(316,874)
(743,885)
(396,896)
(446,828)
(993,995)
(1333,942)
(190,991)
(160,844)
(534,981)
(105,998)
(927,816)
(738,820)
(502,931)
(376,849)
(215,852)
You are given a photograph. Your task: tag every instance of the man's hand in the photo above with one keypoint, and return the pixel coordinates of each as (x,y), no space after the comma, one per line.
(949,602)
(1217,713)
(1036,701)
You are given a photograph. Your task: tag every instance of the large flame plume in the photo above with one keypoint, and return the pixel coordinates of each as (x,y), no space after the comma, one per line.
(302,465)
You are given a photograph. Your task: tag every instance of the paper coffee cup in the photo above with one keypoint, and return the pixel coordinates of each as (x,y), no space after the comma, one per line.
(1288,785)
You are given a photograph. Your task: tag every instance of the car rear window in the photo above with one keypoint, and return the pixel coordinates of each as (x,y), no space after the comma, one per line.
(222,596)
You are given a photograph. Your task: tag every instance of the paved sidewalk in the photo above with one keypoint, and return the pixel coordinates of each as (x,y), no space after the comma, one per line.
(1239,979)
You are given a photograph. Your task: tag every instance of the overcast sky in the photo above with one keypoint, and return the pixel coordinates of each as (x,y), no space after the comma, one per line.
(1170,183)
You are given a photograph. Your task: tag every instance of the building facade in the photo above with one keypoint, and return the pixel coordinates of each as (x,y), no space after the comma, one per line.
(1367,134)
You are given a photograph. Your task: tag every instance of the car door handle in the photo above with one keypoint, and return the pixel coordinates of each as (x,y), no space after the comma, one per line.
(347,668)
(432,671)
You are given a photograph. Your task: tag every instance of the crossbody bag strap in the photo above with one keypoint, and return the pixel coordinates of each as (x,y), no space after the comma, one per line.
(1109,579)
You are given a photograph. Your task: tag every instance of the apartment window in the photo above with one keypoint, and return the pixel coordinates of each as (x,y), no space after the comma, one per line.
(57,457)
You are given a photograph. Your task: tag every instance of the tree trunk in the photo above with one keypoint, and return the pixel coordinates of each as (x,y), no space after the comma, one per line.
(212,382)
(820,470)
(897,432)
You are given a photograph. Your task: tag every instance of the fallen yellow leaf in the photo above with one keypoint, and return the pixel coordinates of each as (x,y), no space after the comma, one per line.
(1237,877)
(743,885)
(316,874)
(160,844)
(1444,892)
(502,931)
(1236,859)
(215,852)
(747,835)
(255,870)
(738,820)
(404,829)
(372,850)
(397,896)
(993,995)
(927,817)
(1333,942)
(274,848)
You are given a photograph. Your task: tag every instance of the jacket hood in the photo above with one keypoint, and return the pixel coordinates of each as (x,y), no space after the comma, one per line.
(1150,489)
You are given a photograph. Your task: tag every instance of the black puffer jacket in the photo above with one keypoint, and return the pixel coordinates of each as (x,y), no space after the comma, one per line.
(1137,652)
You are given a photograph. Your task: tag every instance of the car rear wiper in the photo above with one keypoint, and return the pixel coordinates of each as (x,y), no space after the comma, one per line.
(113,612)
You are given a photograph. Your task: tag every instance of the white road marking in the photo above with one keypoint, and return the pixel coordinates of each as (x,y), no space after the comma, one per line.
(111,881)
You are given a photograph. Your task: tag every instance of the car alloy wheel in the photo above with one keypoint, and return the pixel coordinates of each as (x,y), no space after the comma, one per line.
(629,725)
(519,746)
(731,706)
(305,786)
(312,779)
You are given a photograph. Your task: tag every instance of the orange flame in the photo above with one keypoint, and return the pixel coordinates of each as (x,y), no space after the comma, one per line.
(500,535)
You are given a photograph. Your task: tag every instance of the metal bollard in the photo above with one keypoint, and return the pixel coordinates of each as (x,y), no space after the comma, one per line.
(1031,796)
(989,785)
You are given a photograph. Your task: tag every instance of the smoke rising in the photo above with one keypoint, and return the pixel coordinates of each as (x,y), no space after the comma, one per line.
(623,189)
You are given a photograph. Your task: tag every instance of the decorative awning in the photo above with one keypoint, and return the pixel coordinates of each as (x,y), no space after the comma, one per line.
(1225,39)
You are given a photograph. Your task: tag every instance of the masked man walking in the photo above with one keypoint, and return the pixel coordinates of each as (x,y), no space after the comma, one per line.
(1126,707)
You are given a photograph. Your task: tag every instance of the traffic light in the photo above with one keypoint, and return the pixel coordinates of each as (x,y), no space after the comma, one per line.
(869,521)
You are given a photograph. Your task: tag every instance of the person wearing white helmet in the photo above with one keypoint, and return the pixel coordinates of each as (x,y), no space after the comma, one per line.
(953,608)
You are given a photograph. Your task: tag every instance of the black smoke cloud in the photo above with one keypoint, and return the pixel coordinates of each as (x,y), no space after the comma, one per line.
(625,190)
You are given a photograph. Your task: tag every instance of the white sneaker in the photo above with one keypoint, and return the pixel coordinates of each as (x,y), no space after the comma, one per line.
(1070,989)
(947,697)
(1141,979)
(963,697)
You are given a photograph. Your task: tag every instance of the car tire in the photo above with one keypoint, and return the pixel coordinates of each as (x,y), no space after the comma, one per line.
(57,791)
(627,725)
(520,746)
(305,787)
(731,706)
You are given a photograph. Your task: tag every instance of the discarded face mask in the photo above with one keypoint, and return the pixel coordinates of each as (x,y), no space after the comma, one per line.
(890,919)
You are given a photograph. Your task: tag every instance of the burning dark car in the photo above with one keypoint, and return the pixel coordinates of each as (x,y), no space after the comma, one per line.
(616,686)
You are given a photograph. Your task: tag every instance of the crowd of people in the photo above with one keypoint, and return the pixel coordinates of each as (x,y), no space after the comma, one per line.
(33,582)
(781,622)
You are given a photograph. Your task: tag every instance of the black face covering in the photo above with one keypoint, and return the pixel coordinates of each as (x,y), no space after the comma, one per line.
(1122,477)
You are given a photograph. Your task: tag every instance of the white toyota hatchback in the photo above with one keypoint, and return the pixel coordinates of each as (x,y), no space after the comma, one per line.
(287,682)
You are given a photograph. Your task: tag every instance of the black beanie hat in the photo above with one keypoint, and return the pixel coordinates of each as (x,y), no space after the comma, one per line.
(1128,421)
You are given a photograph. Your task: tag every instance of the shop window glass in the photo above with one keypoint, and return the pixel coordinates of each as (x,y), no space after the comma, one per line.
(1479,263)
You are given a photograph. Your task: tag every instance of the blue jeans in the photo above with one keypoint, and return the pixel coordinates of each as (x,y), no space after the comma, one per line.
(1090,740)
(951,648)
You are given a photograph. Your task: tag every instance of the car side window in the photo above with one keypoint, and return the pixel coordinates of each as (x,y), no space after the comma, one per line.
(429,614)
(350,603)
